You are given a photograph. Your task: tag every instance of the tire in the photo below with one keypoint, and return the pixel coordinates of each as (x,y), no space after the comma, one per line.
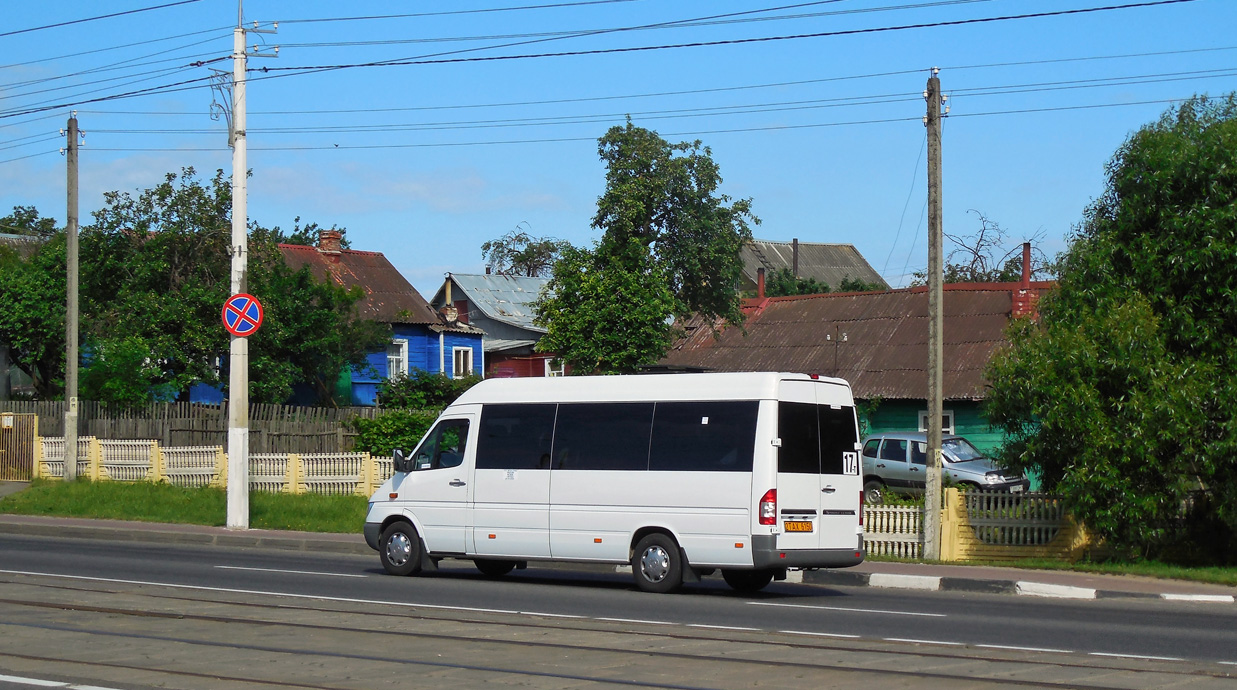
(399,548)
(491,568)
(656,564)
(874,492)
(747,581)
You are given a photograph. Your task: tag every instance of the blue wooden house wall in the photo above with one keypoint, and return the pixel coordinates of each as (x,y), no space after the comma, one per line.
(422,354)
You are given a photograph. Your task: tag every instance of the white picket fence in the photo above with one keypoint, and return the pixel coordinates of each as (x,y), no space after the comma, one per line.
(197,466)
(893,531)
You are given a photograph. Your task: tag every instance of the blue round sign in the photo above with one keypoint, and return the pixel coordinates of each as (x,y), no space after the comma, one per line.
(242,315)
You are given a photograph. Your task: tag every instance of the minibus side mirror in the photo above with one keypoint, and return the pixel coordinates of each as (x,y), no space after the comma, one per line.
(398,461)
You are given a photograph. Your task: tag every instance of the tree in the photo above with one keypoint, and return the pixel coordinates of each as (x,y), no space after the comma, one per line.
(155,271)
(670,248)
(25,220)
(984,257)
(32,313)
(608,311)
(783,282)
(1124,394)
(519,254)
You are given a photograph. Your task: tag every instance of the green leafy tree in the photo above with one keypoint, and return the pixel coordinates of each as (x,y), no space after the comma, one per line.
(519,254)
(783,283)
(155,269)
(25,220)
(398,428)
(670,248)
(1124,394)
(32,313)
(609,310)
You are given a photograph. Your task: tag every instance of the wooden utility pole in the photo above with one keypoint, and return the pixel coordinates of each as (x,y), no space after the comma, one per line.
(71,310)
(932,496)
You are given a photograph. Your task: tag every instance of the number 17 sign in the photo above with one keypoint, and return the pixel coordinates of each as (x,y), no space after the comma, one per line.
(242,315)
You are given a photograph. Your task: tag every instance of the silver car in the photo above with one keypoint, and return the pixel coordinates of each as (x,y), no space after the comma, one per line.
(896,461)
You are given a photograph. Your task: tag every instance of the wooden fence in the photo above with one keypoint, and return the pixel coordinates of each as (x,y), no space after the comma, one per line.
(297,473)
(272,428)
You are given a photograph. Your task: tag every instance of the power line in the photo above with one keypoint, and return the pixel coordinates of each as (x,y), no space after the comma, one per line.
(700,44)
(102,16)
(456,12)
(22,158)
(123,64)
(578,32)
(909,193)
(110,48)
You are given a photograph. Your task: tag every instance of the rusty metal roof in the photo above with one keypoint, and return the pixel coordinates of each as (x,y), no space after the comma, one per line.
(876,340)
(827,263)
(389,297)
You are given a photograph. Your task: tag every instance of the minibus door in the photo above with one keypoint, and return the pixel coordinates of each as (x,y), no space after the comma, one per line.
(798,467)
(437,489)
(840,481)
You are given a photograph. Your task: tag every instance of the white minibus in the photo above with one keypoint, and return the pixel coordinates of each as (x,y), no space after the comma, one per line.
(679,475)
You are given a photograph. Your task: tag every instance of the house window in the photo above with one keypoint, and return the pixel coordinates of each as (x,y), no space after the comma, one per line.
(463,361)
(554,367)
(947,421)
(397,358)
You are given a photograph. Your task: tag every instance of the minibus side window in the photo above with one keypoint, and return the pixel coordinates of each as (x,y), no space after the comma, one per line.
(444,446)
(602,436)
(703,436)
(797,426)
(837,436)
(516,437)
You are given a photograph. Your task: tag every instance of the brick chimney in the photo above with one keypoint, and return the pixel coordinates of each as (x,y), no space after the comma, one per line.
(330,242)
(760,283)
(1024,299)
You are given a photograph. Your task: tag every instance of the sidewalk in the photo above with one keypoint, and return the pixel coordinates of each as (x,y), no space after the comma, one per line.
(919,576)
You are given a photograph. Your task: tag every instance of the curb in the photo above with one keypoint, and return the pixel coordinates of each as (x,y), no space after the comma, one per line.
(1020,587)
(156,536)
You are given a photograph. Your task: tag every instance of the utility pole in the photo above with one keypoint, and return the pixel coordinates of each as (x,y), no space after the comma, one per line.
(238,351)
(70,321)
(932,496)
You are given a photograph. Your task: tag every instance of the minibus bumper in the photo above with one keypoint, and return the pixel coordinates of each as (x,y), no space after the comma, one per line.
(373,530)
(765,554)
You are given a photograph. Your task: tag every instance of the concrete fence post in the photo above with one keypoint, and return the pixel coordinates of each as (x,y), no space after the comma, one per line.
(156,475)
(296,473)
(96,455)
(949,525)
(221,468)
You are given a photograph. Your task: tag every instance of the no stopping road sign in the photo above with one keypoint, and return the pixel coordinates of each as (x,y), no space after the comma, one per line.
(242,315)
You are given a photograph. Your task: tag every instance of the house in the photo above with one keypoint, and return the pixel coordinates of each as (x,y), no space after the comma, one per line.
(421,337)
(878,341)
(826,263)
(502,306)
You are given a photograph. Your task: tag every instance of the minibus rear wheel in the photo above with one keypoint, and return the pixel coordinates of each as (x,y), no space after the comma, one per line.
(747,581)
(400,549)
(656,565)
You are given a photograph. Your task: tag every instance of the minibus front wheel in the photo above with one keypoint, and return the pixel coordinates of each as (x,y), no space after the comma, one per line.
(656,564)
(400,549)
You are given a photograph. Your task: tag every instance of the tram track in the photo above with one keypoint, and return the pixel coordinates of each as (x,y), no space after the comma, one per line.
(616,645)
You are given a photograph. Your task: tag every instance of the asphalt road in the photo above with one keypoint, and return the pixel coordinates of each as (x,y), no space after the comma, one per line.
(128,595)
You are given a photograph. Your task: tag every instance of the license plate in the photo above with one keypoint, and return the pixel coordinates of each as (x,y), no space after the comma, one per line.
(798,525)
(1015,489)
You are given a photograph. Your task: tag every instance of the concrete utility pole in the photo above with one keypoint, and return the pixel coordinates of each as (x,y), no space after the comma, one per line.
(70,321)
(238,352)
(932,496)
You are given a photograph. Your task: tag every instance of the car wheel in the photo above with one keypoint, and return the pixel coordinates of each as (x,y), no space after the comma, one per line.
(874,493)
(491,568)
(747,581)
(400,549)
(656,565)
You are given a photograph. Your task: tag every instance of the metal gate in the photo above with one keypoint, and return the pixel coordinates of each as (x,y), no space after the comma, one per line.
(17,432)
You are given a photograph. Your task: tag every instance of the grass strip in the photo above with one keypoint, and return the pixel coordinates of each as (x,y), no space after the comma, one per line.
(147,502)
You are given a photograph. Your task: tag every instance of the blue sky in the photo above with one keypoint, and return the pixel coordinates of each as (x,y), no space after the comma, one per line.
(426,162)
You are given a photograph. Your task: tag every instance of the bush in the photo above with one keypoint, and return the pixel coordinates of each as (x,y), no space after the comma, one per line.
(422,390)
(392,429)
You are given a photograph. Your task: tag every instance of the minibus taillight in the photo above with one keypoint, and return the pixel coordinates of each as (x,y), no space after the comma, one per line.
(861,507)
(768,508)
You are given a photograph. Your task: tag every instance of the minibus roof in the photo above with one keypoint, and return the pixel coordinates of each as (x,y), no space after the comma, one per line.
(642,387)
